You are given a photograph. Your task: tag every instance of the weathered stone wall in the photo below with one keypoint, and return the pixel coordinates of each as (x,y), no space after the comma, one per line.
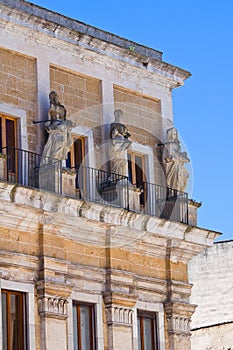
(82,97)
(218,337)
(18,87)
(142,116)
(80,94)
(63,246)
(211,276)
(61,250)
(139,109)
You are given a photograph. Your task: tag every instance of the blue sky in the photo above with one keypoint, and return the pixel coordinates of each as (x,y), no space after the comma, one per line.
(196,36)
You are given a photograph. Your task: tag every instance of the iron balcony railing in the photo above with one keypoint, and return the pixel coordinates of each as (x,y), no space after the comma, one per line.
(164,202)
(32,170)
(94,185)
(101,186)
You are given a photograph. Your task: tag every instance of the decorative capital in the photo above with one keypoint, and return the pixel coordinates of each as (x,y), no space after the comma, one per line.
(179,317)
(119,315)
(118,308)
(53,307)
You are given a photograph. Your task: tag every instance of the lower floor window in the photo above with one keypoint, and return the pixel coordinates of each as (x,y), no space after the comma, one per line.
(147,331)
(13,320)
(83,327)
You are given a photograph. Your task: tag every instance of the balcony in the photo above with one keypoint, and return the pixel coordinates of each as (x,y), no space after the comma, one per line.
(31,170)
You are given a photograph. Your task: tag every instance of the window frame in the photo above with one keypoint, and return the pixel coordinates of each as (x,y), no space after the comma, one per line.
(4,118)
(91,313)
(84,150)
(133,155)
(152,316)
(21,319)
(147,152)
(28,290)
(91,299)
(150,307)
(21,116)
(87,134)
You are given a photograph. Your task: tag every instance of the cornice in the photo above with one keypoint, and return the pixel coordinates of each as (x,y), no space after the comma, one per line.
(123,228)
(84,36)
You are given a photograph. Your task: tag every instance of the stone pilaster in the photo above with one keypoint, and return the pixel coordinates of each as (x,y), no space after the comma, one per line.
(119,312)
(53,295)
(52,305)
(178,316)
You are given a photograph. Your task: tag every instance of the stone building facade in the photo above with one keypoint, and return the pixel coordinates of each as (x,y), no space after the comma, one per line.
(211,275)
(94,260)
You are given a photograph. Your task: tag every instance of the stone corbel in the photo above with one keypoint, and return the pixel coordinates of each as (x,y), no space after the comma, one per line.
(179,317)
(51,306)
(119,308)
(119,315)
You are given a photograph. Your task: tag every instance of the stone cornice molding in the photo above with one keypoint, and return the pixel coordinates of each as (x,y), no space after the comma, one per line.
(82,35)
(31,10)
(126,228)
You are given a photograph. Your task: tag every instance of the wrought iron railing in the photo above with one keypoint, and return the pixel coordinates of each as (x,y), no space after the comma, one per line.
(166,203)
(94,185)
(31,169)
(103,187)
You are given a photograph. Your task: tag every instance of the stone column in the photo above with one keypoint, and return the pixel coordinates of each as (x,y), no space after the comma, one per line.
(119,309)
(178,317)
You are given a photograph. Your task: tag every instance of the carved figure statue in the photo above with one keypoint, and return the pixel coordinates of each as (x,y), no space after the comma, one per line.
(56,110)
(118,130)
(59,129)
(120,142)
(174,162)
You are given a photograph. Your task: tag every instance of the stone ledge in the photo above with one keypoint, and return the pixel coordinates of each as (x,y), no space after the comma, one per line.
(126,225)
(91,38)
(83,28)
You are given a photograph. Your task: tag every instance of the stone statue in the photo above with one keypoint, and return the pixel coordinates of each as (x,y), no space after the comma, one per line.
(120,142)
(59,129)
(174,162)
(118,130)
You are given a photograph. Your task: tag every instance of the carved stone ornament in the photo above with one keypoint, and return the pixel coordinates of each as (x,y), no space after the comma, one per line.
(179,325)
(119,315)
(119,308)
(53,307)
(179,317)
(174,162)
